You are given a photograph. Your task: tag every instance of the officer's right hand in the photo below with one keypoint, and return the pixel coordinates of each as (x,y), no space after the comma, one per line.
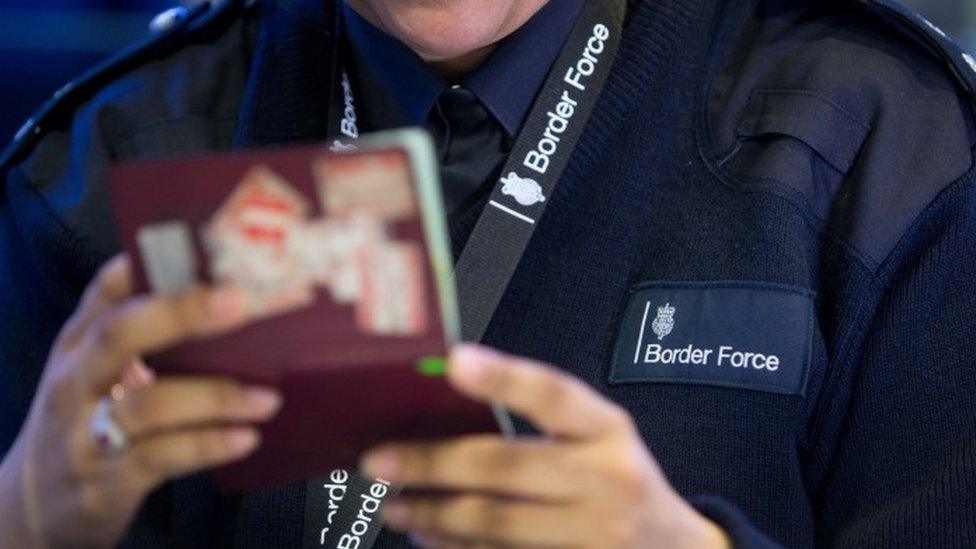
(59,485)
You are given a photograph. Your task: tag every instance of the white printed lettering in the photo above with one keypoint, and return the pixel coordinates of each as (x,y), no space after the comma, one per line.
(586,67)
(573,79)
(361,525)
(536,161)
(348,128)
(567,99)
(557,123)
(547,145)
(337,491)
(655,353)
(595,45)
(562,113)
(565,110)
(601,31)
(348,125)
(378,490)
(370,505)
(743,359)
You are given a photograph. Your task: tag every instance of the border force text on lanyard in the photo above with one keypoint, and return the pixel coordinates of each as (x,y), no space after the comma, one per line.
(499,239)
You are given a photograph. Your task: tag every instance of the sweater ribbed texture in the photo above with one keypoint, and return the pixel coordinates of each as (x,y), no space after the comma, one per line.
(879,451)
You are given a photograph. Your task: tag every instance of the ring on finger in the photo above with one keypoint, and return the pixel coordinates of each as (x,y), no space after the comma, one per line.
(117,392)
(108,434)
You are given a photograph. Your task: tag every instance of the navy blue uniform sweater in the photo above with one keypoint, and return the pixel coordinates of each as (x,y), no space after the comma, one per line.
(821,149)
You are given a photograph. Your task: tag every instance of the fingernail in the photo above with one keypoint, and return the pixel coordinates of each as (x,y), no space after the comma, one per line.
(264,399)
(144,373)
(470,362)
(243,440)
(382,464)
(226,303)
(396,513)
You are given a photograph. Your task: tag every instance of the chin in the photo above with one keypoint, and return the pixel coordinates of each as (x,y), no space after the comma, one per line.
(446,29)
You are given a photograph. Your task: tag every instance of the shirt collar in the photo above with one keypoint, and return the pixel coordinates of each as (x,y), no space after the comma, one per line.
(506,83)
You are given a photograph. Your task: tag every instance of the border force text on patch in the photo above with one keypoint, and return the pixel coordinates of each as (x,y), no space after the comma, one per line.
(734,334)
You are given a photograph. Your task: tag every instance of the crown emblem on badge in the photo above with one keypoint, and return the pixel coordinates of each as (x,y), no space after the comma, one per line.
(340,147)
(664,321)
(525,191)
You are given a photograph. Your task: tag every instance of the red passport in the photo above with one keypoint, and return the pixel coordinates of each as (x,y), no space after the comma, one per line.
(344,258)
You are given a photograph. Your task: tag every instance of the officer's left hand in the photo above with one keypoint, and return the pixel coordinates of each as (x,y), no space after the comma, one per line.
(590,482)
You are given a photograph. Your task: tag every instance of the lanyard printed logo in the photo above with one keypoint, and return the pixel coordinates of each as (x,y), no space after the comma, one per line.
(348,124)
(342,510)
(536,163)
(527,191)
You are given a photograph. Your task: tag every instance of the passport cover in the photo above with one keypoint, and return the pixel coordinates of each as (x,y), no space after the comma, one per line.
(344,259)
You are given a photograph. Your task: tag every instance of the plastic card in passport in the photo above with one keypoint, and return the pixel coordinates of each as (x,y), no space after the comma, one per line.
(344,261)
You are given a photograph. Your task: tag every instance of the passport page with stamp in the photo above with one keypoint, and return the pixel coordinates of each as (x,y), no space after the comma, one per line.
(344,261)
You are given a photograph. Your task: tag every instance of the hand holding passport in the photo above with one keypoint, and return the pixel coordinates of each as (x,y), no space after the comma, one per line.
(344,260)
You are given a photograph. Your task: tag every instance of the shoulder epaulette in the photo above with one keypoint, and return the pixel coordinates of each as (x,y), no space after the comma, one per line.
(960,64)
(171,30)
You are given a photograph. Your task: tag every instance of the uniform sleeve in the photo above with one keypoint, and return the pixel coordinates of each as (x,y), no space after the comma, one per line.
(28,324)
(904,469)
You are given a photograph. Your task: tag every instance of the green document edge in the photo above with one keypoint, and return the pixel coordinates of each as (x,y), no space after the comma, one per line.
(432,366)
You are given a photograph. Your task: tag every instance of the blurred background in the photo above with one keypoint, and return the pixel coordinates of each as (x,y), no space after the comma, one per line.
(45,43)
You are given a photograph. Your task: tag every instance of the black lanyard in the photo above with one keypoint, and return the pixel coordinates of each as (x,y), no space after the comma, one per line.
(534,166)
(536,163)
(500,237)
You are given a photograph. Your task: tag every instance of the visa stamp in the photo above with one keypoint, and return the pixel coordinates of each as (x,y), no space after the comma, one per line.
(167,253)
(393,300)
(247,240)
(327,249)
(376,185)
(267,239)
